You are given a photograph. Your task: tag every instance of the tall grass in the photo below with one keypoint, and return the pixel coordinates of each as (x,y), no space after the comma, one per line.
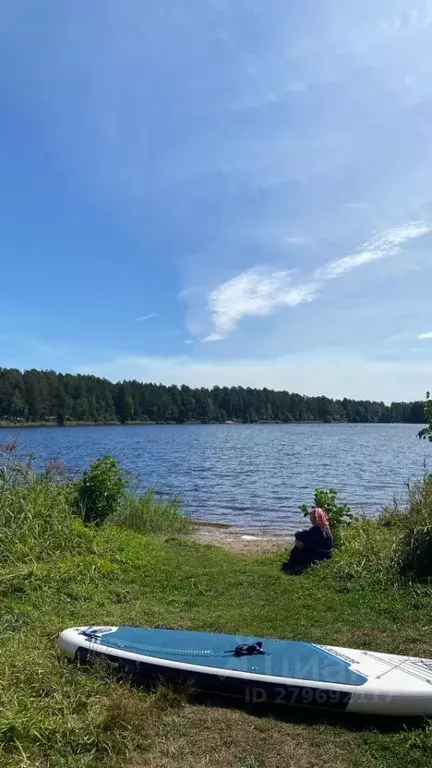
(414,551)
(396,546)
(36,522)
(38,512)
(367,554)
(147,514)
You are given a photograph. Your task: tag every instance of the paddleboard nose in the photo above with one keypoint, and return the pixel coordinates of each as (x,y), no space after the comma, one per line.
(67,640)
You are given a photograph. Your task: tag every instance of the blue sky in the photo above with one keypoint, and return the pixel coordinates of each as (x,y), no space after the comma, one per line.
(219,192)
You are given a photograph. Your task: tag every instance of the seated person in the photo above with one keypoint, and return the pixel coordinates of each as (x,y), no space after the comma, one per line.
(311,545)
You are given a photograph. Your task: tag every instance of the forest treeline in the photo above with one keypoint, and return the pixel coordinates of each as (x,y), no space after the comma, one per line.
(46,396)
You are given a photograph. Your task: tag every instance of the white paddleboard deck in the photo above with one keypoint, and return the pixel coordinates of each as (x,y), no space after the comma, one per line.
(283,671)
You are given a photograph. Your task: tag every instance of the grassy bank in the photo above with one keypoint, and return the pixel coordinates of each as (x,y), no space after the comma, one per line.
(56,572)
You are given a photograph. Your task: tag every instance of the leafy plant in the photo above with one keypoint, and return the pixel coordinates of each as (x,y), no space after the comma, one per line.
(99,491)
(426,432)
(339,515)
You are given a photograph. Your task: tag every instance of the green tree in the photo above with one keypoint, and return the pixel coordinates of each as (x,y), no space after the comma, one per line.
(80,411)
(37,396)
(45,395)
(124,403)
(18,407)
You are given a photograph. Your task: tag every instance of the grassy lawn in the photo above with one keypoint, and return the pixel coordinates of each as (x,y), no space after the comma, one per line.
(55,714)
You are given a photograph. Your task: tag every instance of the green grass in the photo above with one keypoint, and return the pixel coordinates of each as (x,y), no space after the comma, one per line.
(56,573)
(56,714)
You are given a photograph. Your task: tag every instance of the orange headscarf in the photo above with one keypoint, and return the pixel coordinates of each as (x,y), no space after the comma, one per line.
(318,517)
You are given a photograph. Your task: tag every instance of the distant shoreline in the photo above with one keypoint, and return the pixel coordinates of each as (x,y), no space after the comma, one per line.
(51,424)
(46,398)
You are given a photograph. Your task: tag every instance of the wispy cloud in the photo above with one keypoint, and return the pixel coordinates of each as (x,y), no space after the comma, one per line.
(261,291)
(256,292)
(380,247)
(188,341)
(146,317)
(426,335)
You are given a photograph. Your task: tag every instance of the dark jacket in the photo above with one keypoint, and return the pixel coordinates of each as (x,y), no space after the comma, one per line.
(316,544)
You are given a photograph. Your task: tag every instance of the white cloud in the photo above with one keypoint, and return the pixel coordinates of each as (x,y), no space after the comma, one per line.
(188,341)
(379,247)
(323,372)
(260,291)
(146,317)
(426,335)
(255,292)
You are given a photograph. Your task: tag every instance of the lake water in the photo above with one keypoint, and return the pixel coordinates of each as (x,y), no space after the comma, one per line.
(250,476)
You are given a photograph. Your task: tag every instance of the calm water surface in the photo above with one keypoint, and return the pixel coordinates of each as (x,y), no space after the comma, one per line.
(249,476)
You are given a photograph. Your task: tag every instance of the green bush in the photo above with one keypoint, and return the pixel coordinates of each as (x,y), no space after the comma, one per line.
(339,515)
(145,513)
(99,491)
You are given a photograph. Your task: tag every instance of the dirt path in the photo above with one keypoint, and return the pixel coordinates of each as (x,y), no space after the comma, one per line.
(242,542)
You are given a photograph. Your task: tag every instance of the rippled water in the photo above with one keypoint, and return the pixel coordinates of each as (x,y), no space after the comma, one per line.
(249,476)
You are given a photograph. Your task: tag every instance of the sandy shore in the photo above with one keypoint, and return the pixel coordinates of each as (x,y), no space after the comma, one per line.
(242,542)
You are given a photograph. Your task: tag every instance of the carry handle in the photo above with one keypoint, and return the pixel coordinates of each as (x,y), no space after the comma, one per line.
(246,649)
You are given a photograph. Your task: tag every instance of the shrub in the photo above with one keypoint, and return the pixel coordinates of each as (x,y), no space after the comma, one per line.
(145,513)
(99,491)
(339,515)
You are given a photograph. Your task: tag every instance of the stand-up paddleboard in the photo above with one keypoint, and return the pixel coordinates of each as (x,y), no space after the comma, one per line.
(263,670)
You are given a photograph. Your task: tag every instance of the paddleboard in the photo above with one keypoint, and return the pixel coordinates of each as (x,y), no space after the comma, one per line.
(263,670)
